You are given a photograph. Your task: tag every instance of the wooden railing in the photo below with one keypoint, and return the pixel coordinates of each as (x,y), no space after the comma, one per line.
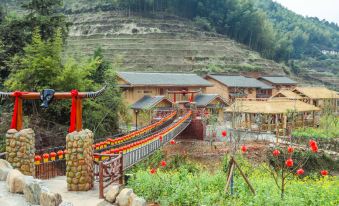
(108,171)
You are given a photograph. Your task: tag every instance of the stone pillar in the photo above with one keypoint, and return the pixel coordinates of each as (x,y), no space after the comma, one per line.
(20,150)
(79,160)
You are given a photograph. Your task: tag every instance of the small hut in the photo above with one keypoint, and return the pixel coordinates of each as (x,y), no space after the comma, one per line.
(276,114)
(149,108)
(212,104)
(285,93)
(319,96)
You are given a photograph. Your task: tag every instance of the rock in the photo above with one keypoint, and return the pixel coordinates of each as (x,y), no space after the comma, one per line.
(5,167)
(15,181)
(138,201)
(124,196)
(112,193)
(50,199)
(104,203)
(32,192)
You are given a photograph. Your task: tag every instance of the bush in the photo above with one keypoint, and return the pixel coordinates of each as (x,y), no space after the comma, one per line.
(179,186)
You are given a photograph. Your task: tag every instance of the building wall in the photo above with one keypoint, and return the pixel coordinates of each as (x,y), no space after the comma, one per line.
(133,94)
(277,88)
(217,88)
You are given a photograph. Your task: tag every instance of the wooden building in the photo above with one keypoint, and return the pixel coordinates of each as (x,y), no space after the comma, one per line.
(289,94)
(273,114)
(212,104)
(135,85)
(232,87)
(319,96)
(150,108)
(278,83)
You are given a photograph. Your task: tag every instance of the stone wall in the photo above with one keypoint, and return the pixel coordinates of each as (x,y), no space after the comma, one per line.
(20,150)
(79,160)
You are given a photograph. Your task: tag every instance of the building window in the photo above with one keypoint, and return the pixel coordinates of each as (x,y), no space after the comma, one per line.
(147,92)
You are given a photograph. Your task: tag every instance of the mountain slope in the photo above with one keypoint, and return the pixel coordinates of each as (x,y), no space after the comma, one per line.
(161,43)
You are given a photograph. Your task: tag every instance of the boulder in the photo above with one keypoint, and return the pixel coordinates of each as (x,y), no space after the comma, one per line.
(112,193)
(5,167)
(104,203)
(138,201)
(32,192)
(15,181)
(124,196)
(50,199)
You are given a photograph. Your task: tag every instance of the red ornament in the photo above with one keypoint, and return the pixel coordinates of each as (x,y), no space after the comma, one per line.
(276,153)
(163,163)
(153,171)
(172,141)
(300,171)
(289,162)
(53,154)
(324,172)
(290,149)
(37,158)
(224,133)
(243,149)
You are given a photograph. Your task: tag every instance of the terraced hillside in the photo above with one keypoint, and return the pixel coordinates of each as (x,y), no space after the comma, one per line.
(161,43)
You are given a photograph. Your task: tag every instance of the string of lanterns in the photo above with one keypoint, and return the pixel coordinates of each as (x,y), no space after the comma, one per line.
(59,155)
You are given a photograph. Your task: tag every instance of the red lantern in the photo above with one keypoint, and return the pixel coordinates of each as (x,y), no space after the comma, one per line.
(300,171)
(243,149)
(37,159)
(53,155)
(96,157)
(97,146)
(289,162)
(224,133)
(60,154)
(172,142)
(324,172)
(45,156)
(276,153)
(290,149)
(160,138)
(163,163)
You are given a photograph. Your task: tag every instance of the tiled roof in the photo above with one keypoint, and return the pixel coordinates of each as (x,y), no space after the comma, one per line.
(288,94)
(147,102)
(203,100)
(279,80)
(163,79)
(240,81)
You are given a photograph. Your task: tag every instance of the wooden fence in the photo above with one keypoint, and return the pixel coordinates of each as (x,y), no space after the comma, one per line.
(108,171)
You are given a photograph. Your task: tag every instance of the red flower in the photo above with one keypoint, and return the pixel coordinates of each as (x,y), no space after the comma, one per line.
(312,143)
(289,162)
(172,141)
(224,133)
(290,149)
(314,148)
(276,153)
(243,149)
(153,171)
(300,171)
(324,172)
(163,163)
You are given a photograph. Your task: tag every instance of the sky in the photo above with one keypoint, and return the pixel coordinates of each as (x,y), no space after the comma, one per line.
(323,9)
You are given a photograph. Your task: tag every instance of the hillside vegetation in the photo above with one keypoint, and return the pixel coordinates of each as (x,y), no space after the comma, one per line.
(182,35)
